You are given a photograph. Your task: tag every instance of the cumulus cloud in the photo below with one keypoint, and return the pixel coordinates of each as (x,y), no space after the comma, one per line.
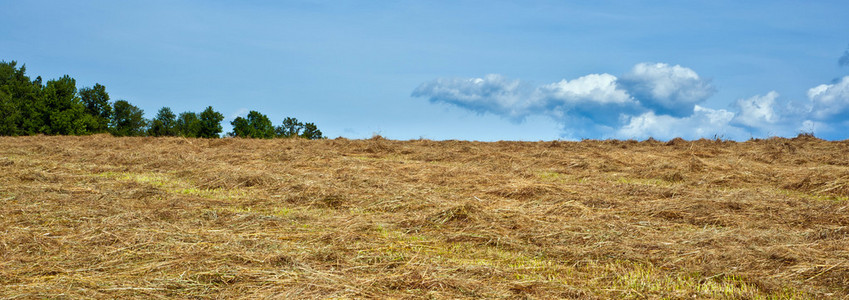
(491,94)
(702,123)
(593,88)
(830,101)
(652,100)
(757,111)
(665,89)
(594,96)
(594,102)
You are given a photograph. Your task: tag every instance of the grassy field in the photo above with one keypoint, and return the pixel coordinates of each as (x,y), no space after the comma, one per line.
(107,217)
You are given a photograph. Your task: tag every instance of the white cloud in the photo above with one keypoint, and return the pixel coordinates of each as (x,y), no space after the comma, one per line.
(703,123)
(597,88)
(665,89)
(652,100)
(493,94)
(767,115)
(594,102)
(830,102)
(757,111)
(594,96)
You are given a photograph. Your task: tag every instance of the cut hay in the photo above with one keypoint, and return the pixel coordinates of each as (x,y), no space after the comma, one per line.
(105,217)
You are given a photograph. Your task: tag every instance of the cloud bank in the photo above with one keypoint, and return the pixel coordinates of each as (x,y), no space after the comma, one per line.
(671,90)
(703,122)
(655,100)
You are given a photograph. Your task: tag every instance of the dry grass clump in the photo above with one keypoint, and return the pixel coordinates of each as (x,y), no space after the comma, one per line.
(106,217)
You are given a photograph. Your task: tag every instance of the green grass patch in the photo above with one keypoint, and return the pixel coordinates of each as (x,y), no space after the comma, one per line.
(175,185)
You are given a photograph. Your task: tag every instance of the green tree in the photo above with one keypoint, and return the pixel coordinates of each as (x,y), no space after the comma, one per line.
(23,106)
(241,127)
(291,127)
(127,120)
(255,125)
(311,132)
(261,124)
(96,101)
(165,123)
(188,124)
(63,112)
(9,113)
(210,123)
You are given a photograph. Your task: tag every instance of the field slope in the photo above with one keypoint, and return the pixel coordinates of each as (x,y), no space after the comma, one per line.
(107,217)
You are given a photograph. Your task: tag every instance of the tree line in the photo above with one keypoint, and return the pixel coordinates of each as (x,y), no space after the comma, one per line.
(57,107)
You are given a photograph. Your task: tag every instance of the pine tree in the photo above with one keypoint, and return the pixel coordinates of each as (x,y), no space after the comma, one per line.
(210,123)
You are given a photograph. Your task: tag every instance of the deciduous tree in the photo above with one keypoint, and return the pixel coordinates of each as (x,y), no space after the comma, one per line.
(96,101)
(188,124)
(291,127)
(127,120)
(23,105)
(63,111)
(255,125)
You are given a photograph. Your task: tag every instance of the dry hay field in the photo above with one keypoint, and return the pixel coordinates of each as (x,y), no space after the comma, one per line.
(106,217)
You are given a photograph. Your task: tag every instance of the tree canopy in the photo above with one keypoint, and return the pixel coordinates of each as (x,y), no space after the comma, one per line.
(291,127)
(29,106)
(96,101)
(63,111)
(311,132)
(255,125)
(22,101)
(210,123)
(128,120)
(165,123)
(188,124)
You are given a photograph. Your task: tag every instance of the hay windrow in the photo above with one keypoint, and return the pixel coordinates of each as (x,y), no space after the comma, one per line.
(106,217)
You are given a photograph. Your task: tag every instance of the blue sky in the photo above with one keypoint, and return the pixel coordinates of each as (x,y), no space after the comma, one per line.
(474,70)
